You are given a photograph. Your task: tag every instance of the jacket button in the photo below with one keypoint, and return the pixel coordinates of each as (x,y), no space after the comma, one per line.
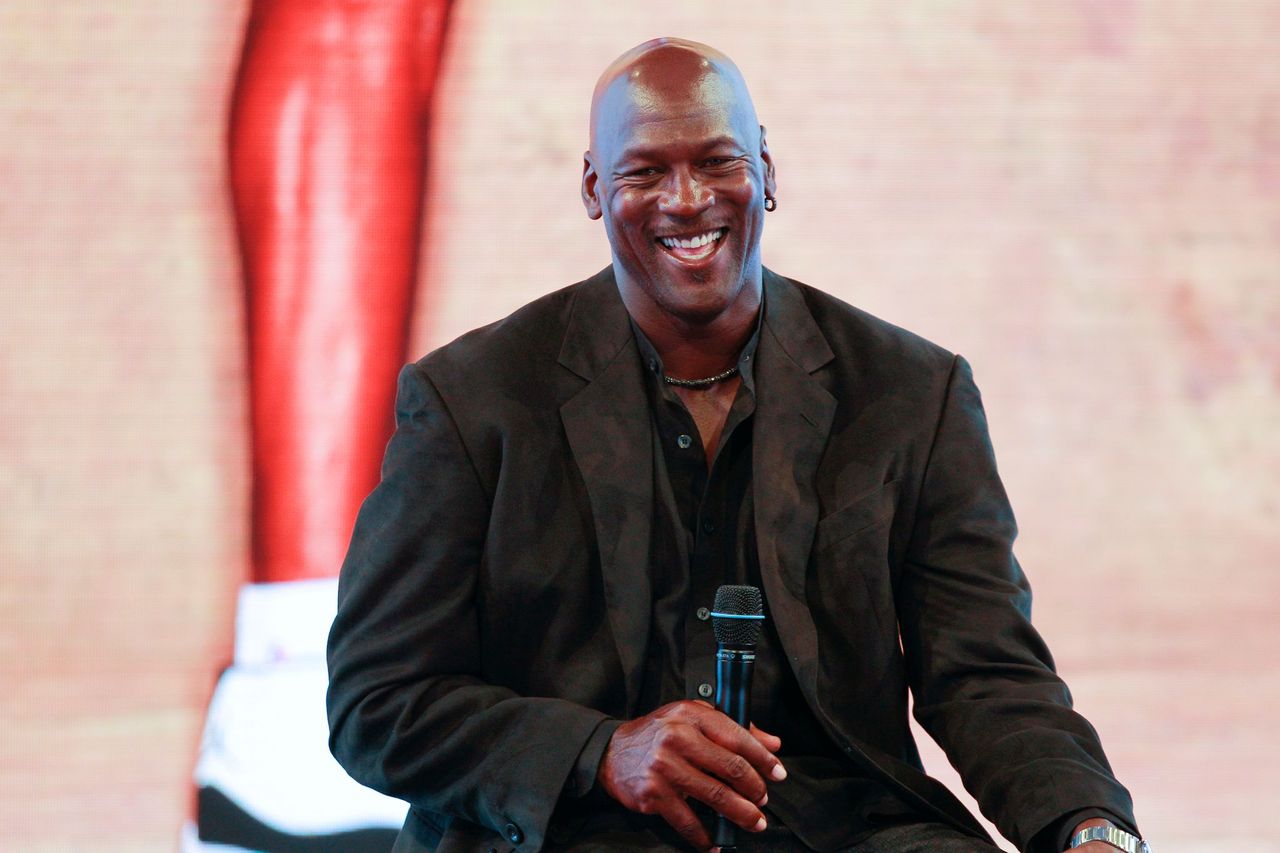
(704,614)
(514,835)
(705,690)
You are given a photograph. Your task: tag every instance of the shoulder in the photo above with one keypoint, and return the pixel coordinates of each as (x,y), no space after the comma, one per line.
(512,376)
(525,338)
(862,341)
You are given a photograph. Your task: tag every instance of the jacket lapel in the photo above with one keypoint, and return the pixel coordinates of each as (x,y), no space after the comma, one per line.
(608,427)
(793,415)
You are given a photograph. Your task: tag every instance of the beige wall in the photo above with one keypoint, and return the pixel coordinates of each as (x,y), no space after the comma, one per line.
(1081,197)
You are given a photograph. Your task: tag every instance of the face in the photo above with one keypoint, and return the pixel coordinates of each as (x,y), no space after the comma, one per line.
(679,170)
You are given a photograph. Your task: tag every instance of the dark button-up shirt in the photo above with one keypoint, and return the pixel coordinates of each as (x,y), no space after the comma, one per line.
(704,536)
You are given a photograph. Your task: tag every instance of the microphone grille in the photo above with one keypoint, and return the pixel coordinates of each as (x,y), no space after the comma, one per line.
(737,600)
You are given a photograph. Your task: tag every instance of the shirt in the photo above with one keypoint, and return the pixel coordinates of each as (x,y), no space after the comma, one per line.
(704,536)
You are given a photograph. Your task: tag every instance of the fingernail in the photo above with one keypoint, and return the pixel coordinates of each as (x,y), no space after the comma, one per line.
(779,772)
(763,801)
(760,825)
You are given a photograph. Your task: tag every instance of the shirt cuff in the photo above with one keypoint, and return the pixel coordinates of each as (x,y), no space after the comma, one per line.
(1055,837)
(583,778)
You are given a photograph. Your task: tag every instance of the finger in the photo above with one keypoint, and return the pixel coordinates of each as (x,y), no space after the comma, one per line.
(773,743)
(728,767)
(735,738)
(682,819)
(719,796)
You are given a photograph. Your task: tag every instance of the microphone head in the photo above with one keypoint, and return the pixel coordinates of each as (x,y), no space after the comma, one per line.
(737,601)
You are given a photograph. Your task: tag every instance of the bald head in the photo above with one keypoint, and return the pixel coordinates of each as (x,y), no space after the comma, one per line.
(679,171)
(661,76)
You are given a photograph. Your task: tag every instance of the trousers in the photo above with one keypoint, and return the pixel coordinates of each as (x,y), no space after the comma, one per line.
(921,837)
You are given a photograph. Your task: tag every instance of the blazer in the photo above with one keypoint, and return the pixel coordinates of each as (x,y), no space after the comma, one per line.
(494,605)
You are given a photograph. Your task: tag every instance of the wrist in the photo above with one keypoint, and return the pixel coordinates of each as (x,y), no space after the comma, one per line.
(1093,821)
(1103,830)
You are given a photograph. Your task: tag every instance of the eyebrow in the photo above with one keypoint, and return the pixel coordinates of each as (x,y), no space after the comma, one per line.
(651,153)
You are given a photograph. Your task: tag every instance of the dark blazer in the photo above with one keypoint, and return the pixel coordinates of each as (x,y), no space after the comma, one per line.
(494,605)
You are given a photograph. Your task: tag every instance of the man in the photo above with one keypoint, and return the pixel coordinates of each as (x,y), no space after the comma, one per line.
(521,650)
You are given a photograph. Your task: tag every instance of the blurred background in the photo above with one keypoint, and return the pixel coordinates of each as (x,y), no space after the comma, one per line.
(1080,196)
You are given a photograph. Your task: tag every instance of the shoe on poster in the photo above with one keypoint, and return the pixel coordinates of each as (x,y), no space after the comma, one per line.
(265,780)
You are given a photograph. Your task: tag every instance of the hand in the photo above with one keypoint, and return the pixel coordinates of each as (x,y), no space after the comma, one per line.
(689,749)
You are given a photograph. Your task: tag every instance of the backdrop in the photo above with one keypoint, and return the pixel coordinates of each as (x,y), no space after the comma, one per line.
(1081,197)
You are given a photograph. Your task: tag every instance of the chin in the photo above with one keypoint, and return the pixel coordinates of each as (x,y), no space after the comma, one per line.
(700,302)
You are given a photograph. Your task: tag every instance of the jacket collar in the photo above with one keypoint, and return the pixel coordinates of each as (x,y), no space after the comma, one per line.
(598,328)
(794,414)
(607,424)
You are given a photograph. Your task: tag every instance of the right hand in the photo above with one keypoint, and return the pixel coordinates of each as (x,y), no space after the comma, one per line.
(689,749)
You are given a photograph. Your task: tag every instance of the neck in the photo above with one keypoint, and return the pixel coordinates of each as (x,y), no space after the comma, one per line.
(695,347)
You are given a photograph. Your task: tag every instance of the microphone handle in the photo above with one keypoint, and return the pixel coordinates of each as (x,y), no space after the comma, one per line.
(733,697)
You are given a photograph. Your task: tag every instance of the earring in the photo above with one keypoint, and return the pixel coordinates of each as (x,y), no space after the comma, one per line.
(770,203)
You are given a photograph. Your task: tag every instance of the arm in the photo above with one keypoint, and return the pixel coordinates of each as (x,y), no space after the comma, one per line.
(409,712)
(983,681)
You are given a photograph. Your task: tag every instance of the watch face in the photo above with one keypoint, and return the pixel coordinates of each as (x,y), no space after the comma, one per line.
(1144,847)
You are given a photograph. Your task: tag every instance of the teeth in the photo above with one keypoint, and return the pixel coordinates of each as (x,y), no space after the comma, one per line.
(691,242)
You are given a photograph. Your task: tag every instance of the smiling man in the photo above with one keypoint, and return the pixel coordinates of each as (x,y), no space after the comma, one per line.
(522,649)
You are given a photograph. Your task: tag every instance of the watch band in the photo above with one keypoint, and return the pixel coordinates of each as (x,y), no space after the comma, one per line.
(1115,837)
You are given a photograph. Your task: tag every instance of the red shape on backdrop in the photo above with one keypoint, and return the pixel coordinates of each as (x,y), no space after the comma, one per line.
(327,147)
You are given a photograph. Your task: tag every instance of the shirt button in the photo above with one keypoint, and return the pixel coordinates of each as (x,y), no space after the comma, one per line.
(708,527)
(684,442)
(653,365)
(704,614)
(704,690)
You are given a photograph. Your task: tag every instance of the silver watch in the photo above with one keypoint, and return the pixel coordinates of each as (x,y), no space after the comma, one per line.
(1115,837)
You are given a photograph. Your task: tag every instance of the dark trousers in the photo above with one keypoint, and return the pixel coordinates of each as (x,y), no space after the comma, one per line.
(921,837)
(902,838)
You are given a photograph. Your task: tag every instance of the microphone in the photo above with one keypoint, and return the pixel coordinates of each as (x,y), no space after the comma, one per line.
(736,620)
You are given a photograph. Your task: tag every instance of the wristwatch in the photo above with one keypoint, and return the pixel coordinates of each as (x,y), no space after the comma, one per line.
(1115,837)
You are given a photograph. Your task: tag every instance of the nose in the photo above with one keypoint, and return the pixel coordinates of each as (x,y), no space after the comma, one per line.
(684,195)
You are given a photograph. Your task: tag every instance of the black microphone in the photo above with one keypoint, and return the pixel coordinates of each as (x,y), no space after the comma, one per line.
(736,620)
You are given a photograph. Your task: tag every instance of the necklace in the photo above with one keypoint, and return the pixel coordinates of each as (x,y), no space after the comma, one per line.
(701,383)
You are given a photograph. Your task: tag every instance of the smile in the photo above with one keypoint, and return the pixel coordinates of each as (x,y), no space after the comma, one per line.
(695,247)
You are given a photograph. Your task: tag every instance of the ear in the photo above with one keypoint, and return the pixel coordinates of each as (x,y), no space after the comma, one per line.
(770,180)
(589,198)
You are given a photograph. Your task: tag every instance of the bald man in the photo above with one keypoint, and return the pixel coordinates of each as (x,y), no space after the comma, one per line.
(522,649)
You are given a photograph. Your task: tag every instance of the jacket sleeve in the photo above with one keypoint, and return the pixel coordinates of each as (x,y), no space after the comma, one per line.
(409,712)
(983,680)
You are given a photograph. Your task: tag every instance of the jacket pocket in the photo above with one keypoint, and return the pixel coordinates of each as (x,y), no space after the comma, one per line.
(864,513)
